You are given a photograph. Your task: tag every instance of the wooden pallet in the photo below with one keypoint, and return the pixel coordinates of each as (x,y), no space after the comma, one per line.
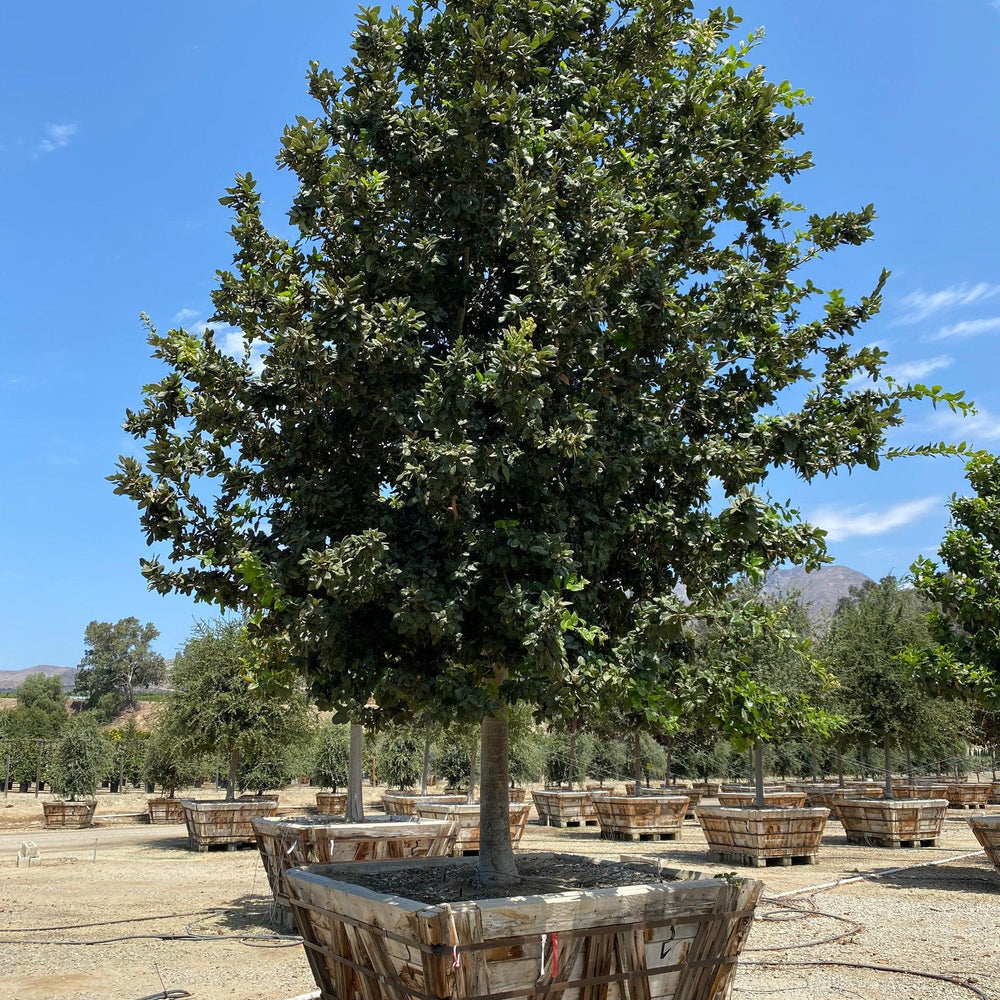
(754,861)
(637,837)
(892,842)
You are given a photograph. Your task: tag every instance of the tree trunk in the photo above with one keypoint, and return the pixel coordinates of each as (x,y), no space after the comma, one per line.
(637,762)
(758,775)
(840,768)
(470,797)
(427,765)
(355,811)
(667,776)
(751,763)
(887,755)
(234,767)
(572,757)
(909,762)
(496,852)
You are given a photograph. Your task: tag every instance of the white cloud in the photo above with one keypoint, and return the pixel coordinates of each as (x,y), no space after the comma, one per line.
(229,338)
(969,328)
(848,522)
(57,136)
(980,427)
(184,315)
(919,305)
(910,371)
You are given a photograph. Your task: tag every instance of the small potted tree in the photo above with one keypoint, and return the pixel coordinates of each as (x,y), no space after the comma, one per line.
(81,756)
(756,675)
(213,709)
(870,636)
(166,764)
(331,768)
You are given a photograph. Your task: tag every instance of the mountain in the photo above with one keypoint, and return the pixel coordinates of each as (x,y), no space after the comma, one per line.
(819,590)
(10,680)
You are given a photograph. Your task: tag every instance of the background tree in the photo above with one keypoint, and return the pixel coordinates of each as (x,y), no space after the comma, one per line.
(965,592)
(331,763)
(45,694)
(869,634)
(754,677)
(521,363)
(82,754)
(214,709)
(117,660)
(165,762)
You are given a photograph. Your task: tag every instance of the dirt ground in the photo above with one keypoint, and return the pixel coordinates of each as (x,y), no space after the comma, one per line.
(125,911)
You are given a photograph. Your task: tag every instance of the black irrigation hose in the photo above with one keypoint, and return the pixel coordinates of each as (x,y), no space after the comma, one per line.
(800,913)
(166,995)
(964,984)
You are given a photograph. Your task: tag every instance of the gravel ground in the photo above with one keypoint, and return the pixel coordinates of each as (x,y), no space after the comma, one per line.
(141,884)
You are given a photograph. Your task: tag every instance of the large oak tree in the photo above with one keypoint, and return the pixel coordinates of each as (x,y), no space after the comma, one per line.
(528,354)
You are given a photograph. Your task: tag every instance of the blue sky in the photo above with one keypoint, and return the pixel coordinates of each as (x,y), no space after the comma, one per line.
(121,124)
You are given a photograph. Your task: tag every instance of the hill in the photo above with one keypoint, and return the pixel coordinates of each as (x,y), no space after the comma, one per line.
(10,680)
(819,591)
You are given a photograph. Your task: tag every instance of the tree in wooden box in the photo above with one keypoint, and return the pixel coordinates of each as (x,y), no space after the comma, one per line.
(80,756)
(886,705)
(516,375)
(755,675)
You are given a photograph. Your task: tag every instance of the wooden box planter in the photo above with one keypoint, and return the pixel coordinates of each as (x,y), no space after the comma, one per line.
(405,803)
(694,795)
(213,823)
(657,941)
(707,788)
(68,815)
(987,831)
(641,817)
(557,808)
(920,791)
(467,819)
(995,793)
(165,810)
(331,803)
(772,800)
(287,844)
(517,795)
(892,822)
(969,794)
(820,795)
(735,787)
(759,837)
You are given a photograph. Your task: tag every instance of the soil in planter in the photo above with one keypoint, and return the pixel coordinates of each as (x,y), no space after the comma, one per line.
(547,873)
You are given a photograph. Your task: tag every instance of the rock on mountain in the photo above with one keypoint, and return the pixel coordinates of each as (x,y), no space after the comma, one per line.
(819,591)
(10,680)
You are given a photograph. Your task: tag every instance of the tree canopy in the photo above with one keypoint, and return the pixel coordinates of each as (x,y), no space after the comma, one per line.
(213,709)
(535,342)
(541,296)
(965,591)
(117,660)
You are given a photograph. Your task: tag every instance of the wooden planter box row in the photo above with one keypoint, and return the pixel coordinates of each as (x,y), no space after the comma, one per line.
(68,815)
(466,820)
(657,941)
(987,831)
(776,800)
(641,817)
(969,794)
(165,810)
(288,844)
(694,795)
(758,837)
(217,823)
(557,808)
(405,803)
(892,823)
